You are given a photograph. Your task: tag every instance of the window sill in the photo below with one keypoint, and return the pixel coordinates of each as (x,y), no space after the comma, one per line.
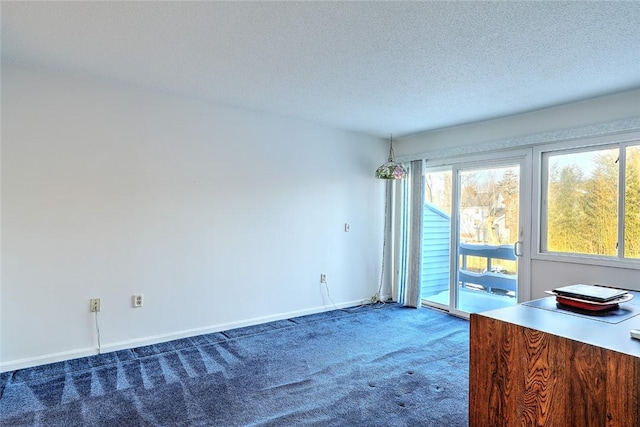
(629,264)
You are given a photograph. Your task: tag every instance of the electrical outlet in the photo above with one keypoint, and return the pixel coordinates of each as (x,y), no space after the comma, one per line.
(347,227)
(137,300)
(323,278)
(94,305)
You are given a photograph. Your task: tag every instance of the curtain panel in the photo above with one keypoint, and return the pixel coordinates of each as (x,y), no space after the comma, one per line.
(410,234)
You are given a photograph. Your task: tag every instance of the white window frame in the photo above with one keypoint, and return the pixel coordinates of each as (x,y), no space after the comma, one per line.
(540,181)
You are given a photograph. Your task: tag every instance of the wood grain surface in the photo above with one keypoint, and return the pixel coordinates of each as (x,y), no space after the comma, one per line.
(524,377)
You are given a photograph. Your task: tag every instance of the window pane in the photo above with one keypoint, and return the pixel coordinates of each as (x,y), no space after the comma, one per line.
(437,190)
(489,203)
(582,202)
(632,203)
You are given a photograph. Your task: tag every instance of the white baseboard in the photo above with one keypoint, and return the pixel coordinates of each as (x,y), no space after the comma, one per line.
(139,342)
(47,358)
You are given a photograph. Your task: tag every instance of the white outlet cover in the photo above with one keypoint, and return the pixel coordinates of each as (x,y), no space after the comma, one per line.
(138,300)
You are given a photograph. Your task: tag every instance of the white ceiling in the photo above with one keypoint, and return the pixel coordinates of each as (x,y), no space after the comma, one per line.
(371,67)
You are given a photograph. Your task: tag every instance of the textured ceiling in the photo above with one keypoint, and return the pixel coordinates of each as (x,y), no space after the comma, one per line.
(371,67)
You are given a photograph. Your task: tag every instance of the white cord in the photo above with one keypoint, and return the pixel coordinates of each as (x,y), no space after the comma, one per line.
(326,285)
(376,298)
(98,332)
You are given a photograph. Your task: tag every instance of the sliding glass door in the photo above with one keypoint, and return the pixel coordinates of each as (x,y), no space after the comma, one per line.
(473,235)
(436,240)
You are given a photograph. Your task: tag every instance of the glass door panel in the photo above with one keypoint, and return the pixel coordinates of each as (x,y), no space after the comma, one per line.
(436,239)
(488,212)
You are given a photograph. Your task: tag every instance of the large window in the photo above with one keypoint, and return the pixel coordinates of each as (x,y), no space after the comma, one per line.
(591,201)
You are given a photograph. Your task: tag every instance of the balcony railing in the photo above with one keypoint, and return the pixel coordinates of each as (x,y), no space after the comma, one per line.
(484,278)
(494,278)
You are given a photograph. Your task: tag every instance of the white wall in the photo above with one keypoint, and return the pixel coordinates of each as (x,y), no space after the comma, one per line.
(613,114)
(221,217)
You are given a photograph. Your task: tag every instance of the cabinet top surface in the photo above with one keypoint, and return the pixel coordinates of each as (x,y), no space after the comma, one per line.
(609,333)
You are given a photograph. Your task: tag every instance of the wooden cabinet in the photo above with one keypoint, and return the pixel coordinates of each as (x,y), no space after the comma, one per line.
(535,367)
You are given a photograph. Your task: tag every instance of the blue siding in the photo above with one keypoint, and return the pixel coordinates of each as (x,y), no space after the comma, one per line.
(435,251)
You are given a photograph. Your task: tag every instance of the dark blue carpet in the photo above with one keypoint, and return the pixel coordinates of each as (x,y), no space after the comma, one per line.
(388,366)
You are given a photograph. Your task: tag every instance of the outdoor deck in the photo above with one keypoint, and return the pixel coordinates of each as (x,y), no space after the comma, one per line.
(486,287)
(473,301)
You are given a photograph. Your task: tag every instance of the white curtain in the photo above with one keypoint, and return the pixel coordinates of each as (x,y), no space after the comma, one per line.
(410,234)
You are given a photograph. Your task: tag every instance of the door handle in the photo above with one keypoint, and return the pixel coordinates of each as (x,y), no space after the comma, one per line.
(517,248)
